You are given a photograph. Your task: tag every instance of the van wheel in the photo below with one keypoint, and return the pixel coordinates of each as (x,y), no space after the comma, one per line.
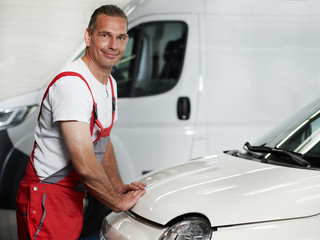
(93,214)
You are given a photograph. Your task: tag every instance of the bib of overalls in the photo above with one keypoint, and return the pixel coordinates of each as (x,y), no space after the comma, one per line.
(67,176)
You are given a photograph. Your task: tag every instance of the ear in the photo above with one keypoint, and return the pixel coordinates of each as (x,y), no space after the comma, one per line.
(87,37)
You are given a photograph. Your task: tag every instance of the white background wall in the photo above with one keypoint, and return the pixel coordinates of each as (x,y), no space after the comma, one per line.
(37,37)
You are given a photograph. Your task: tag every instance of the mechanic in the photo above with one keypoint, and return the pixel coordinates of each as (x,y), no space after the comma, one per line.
(73,152)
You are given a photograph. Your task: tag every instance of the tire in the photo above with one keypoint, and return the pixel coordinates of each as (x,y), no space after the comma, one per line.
(93,214)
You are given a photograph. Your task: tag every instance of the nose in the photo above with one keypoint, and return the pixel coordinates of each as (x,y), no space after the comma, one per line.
(113,43)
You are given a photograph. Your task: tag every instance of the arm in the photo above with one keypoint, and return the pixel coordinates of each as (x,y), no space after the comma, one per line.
(78,141)
(109,164)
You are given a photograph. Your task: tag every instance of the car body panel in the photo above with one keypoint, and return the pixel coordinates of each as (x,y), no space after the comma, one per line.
(250,190)
(121,225)
(119,230)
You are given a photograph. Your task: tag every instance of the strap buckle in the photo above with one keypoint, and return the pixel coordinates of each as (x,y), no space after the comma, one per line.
(95,111)
(113,104)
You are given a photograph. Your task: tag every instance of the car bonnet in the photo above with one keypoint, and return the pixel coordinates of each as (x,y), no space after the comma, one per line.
(229,190)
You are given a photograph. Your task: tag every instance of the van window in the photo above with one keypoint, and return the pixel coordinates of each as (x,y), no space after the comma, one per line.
(153,59)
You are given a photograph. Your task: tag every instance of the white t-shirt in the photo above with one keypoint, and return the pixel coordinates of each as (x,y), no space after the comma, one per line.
(69,99)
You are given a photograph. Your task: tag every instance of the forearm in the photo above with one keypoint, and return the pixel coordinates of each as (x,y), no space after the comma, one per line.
(99,185)
(110,165)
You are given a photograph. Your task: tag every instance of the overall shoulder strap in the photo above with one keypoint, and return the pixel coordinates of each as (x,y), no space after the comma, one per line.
(106,131)
(75,74)
(113,95)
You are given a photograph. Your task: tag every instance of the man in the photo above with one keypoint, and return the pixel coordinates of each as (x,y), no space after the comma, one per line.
(72,150)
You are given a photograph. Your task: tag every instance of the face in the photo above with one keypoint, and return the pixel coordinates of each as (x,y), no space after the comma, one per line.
(108,42)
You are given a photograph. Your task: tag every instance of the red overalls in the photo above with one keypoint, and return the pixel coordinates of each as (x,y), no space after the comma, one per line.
(52,208)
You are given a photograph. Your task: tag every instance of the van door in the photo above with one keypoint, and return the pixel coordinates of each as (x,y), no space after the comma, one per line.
(157,80)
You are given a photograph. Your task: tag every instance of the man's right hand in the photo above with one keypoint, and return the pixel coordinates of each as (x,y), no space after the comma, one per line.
(129,199)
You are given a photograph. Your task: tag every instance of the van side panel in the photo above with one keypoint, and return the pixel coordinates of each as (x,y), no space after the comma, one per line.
(260,65)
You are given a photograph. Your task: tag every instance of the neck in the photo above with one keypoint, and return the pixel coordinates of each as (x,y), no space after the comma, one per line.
(99,73)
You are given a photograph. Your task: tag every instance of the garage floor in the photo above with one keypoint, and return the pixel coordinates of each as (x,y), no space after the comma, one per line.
(8,226)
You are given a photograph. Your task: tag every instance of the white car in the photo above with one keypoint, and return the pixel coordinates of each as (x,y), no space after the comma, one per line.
(268,191)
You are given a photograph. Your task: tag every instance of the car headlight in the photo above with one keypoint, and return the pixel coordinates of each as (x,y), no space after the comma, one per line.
(191,229)
(14,116)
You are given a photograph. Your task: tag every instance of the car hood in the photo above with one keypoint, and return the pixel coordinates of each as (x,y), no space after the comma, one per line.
(229,190)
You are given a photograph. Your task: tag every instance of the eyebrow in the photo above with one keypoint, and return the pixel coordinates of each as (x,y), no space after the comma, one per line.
(110,33)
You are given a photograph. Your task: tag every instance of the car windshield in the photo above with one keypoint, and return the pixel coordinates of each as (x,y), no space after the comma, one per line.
(300,134)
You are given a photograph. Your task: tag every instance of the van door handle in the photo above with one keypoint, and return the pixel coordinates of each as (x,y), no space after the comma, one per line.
(183,108)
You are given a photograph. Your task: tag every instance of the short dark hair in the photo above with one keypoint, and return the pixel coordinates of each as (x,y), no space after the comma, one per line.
(109,10)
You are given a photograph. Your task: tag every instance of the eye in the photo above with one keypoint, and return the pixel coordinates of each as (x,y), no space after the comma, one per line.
(122,38)
(104,34)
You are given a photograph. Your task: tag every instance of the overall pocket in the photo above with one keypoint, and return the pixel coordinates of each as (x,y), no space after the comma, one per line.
(37,214)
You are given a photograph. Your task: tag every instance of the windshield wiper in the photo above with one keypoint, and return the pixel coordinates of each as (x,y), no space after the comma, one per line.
(294,156)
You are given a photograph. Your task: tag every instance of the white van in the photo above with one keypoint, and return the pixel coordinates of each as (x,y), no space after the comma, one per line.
(197,77)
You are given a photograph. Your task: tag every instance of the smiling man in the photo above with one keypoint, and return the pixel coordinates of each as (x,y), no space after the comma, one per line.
(73,152)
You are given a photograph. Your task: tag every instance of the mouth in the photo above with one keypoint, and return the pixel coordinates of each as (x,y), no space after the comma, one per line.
(110,54)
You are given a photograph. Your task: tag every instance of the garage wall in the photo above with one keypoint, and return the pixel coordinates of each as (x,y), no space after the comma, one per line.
(37,37)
